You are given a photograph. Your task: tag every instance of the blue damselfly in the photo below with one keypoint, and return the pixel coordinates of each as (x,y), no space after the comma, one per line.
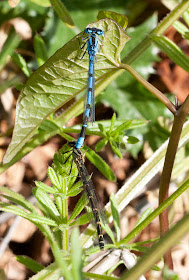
(92,42)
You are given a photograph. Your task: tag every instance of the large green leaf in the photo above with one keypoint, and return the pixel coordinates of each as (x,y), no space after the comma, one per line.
(61,78)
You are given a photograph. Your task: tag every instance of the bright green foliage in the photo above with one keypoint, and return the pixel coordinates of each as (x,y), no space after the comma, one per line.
(115,136)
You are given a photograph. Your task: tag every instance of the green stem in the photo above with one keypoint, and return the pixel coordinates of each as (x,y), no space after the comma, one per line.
(155,213)
(98,276)
(157,250)
(55,250)
(150,87)
(65,219)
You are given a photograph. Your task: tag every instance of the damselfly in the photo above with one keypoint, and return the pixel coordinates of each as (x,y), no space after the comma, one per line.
(90,191)
(92,42)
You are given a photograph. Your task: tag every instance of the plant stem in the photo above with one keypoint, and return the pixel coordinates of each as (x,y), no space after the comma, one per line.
(178,123)
(150,87)
(158,249)
(154,214)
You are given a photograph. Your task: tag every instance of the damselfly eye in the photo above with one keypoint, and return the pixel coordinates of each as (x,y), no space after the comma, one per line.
(99,32)
(88,30)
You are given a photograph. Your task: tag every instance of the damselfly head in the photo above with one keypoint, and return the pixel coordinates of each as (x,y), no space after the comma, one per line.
(94,30)
(72,144)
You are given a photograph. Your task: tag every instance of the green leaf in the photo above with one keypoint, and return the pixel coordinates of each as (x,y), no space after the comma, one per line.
(21,63)
(78,208)
(132,140)
(74,192)
(30,263)
(54,178)
(9,46)
(172,50)
(115,148)
(45,187)
(37,219)
(109,232)
(7,207)
(19,199)
(113,120)
(59,80)
(51,272)
(101,128)
(102,166)
(101,144)
(76,256)
(115,214)
(40,50)
(124,126)
(81,220)
(186,17)
(120,19)
(180,27)
(47,203)
(62,12)
(76,187)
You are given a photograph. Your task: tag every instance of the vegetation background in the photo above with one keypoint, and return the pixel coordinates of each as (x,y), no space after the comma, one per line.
(125,96)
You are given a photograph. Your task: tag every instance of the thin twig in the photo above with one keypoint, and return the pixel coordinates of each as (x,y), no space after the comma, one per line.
(8,236)
(179,119)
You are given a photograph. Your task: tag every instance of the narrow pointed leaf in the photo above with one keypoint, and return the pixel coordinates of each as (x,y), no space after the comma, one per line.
(62,12)
(30,263)
(102,166)
(115,148)
(115,214)
(45,187)
(7,207)
(21,63)
(79,207)
(40,50)
(54,178)
(37,219)
(101,144)
(47,203)
(172,50)
(9,46)
(19,198)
